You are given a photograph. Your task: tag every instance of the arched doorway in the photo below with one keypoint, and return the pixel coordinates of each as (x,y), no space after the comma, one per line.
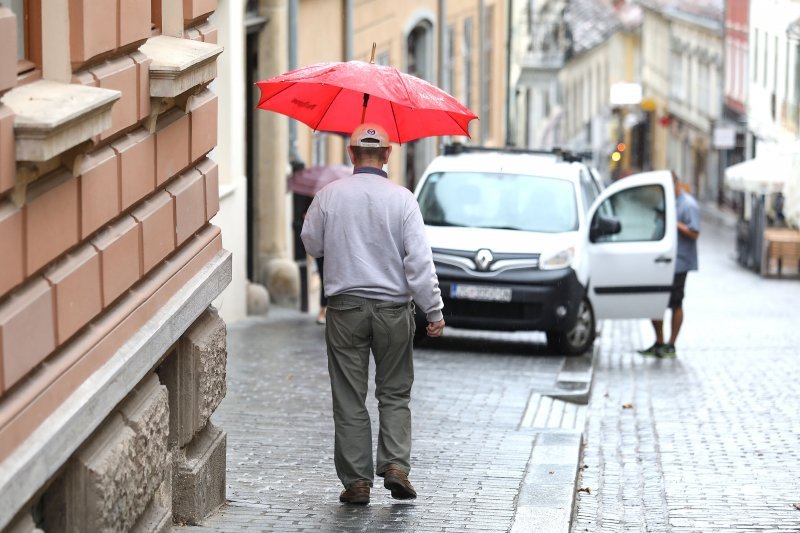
(419,61)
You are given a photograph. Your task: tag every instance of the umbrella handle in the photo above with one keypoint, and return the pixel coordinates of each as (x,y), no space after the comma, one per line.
(364,109)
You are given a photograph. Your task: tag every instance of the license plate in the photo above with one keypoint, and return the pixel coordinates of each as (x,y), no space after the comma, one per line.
(481,293)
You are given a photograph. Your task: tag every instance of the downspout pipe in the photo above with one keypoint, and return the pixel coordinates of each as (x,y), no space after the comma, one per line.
(348,30)
(294,152)
(510,91)
(481,67)
(348,52)
(441,17)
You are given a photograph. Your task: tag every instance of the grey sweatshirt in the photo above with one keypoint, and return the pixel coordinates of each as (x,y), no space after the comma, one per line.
(371,233)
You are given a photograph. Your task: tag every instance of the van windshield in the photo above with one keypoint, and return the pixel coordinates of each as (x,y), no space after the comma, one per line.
(501,201)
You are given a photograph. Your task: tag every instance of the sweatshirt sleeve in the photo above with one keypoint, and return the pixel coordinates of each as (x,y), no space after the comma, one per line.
(418,265)
(313,233)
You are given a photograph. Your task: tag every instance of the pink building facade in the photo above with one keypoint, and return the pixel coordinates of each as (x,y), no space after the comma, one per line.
(111,358)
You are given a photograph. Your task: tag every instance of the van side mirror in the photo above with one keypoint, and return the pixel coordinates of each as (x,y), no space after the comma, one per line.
(603,225)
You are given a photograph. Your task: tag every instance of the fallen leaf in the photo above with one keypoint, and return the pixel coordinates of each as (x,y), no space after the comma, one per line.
(627,406)
(551,472)
(587,490)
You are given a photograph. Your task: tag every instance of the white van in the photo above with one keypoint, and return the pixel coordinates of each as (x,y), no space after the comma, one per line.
(530,241)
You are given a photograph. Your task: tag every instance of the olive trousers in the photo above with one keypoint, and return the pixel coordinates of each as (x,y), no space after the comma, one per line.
(354,327)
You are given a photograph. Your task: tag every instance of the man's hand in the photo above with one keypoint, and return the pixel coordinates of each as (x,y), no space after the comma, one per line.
(435,329)
(685,230)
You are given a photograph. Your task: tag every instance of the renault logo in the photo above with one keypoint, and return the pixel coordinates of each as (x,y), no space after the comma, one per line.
(483,259)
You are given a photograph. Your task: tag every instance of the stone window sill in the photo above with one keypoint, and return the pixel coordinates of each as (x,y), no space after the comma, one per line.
(179,64)
(51,117)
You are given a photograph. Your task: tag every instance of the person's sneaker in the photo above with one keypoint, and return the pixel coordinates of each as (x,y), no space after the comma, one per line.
(397,481)
(654,350)
(668,352)
(357,493)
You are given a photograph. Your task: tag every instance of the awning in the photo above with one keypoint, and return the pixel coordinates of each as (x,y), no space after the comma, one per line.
(762,175)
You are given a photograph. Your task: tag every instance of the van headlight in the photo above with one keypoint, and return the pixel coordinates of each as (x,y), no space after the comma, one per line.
(561,259)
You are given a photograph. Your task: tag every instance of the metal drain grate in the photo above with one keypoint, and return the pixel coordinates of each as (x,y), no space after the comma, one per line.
(550,413)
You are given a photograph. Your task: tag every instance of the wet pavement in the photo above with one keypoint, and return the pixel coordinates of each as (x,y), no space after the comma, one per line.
(708,441)
(470,447)
(705,442)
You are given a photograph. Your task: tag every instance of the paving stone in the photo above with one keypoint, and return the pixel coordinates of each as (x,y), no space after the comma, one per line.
(469,453)
(709,442)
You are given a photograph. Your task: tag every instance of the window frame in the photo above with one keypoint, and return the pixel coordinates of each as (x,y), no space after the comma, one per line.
(29,23)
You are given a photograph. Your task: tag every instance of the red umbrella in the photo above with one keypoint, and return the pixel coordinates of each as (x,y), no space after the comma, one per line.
(309,181)
(339,96)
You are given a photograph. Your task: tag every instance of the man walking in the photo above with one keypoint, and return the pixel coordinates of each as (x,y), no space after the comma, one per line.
(377,258)
(688,217)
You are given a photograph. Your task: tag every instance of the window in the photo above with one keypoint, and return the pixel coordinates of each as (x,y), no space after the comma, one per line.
(449,59)
(775,67)
(640,212)
(320,151)
(787,73)
(18,7)
(704,88)
(766,56)
(28,13)
(500,201)
(466,53)
(676,75)
(796,107)
(755,55)
(382,59)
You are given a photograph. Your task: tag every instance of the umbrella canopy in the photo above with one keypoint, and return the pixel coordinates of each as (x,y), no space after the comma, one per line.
(761,175)
(331,97)
(309,181)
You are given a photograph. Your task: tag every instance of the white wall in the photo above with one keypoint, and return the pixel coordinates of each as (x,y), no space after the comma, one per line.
(770,18)
(229,154)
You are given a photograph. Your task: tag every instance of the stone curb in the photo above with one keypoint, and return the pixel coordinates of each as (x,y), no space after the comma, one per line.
(548,491)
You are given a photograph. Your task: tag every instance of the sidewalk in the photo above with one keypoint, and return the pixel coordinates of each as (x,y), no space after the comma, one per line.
(492,451)
(708,441)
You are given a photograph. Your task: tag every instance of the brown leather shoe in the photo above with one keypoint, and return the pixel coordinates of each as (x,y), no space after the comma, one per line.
(358,493)
(397,481)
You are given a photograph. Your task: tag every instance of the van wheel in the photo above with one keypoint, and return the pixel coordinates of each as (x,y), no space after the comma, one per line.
(580,338)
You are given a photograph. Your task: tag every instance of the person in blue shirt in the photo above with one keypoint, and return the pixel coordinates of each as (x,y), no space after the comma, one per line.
(688,217)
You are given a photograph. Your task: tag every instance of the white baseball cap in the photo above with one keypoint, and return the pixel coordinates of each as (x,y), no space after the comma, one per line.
(369,136)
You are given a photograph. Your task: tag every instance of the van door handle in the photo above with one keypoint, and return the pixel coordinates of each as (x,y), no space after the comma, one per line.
(663,259)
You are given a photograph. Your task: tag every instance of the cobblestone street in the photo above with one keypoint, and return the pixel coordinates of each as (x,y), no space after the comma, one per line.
(705,442)
(708,441)
(470,451)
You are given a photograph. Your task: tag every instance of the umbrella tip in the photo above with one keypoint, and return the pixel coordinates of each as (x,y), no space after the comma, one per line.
(372,57)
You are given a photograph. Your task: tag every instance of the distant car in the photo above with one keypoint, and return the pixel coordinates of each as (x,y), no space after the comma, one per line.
(531,241)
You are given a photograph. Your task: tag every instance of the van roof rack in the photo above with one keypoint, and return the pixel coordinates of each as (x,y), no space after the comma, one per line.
(565,155)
